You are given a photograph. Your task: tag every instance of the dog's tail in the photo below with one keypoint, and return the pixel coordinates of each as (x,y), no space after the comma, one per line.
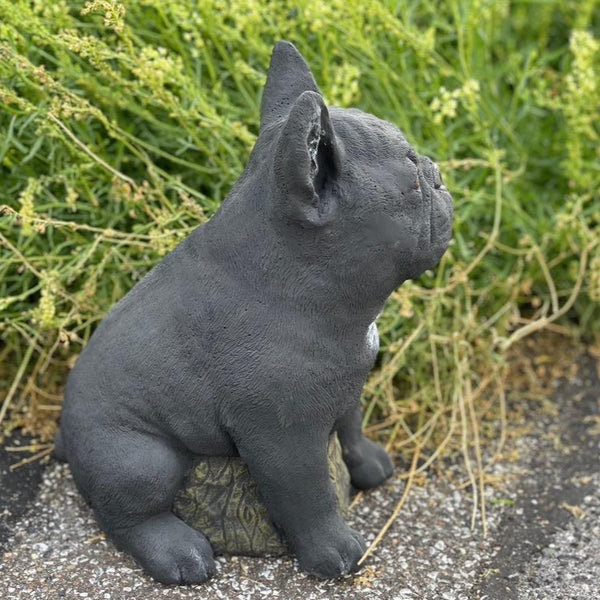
(59,447)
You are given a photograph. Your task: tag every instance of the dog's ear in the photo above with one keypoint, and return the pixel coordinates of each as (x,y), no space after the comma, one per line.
(307,162)
(288,77)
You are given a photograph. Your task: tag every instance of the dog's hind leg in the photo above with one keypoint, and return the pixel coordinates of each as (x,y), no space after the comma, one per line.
(131,480)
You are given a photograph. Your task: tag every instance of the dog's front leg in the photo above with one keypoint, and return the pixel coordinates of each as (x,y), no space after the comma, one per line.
(291,468)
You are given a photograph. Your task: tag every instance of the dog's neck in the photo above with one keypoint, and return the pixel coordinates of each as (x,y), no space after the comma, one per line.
(240,239)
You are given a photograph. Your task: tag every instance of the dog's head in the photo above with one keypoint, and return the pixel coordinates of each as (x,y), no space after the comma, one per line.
(346,187)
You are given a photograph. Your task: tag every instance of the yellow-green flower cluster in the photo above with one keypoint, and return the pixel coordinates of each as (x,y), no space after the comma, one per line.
(577,97)
(250,73)
(483,11)
(27,209)
(345,90)
(243,134)
(156,67)
(581,106)
(582,83)
(446,104)
(87,46)
(322,15)
(55,12)
(114,12)
(44,314)
(71,198)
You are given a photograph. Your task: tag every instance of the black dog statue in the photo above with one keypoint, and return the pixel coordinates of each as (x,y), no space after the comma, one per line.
(254,337)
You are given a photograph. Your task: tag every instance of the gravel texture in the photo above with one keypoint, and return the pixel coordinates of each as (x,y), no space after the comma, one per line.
(569,566)
(543,533)
(55,553)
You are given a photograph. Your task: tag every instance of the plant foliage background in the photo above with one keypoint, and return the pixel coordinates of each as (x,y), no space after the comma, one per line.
(124,124)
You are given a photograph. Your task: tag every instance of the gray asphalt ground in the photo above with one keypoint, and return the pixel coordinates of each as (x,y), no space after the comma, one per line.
(543,539)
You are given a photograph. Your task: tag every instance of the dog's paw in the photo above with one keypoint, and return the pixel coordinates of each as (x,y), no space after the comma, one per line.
(169,550)
(370,467)
(332,554)
(183,563)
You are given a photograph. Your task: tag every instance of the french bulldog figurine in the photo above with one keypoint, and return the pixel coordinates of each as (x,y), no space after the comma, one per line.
(254,337)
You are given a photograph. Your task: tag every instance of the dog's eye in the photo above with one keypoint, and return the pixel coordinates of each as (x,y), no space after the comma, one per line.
(412,156)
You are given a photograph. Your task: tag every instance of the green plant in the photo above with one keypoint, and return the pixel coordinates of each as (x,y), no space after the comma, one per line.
(124,124)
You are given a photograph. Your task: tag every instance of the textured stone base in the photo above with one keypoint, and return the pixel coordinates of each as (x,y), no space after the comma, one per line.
(220,499)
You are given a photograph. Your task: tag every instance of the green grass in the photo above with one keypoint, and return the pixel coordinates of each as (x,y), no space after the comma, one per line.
(121,130)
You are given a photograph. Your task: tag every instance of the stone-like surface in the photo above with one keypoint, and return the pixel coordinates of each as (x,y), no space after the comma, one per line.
(221,500)
(543,542)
